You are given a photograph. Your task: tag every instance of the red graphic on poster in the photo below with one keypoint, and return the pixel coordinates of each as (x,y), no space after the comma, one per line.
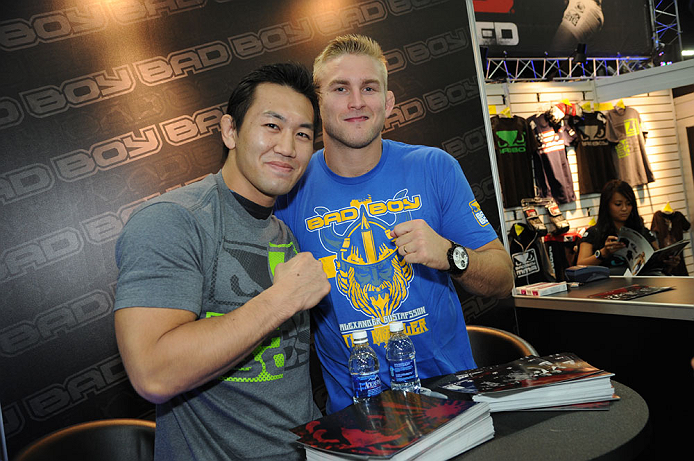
(492,6)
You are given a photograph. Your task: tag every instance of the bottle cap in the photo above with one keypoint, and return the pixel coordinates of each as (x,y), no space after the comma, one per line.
(396,326)
(359,335)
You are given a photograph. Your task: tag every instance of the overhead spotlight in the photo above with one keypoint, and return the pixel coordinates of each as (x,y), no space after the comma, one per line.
(580,54)
(667,54)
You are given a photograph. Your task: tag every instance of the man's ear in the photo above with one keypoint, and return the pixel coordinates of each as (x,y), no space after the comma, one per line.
(390,102)
(228,129)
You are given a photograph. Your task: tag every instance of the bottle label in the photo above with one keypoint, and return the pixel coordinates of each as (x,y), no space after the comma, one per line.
(403,371)
(366,385)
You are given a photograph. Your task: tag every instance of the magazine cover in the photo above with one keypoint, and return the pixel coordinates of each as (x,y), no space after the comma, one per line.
(630,292)
(530,371)
(637,249)
(639,253)
(385,425)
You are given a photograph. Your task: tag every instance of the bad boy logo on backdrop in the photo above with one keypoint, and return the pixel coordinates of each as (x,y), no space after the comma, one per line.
(102,107)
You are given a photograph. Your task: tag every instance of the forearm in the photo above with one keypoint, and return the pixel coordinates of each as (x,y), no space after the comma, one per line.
(489,273)
(169,351)
(586,256)
(588,260)
(190,352)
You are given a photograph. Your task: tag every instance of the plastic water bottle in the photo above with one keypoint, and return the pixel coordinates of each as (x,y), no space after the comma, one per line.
(363,366)
(401,364)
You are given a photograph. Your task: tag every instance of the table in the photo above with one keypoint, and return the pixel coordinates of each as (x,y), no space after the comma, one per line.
(646,342)
(622,432)
(674,304)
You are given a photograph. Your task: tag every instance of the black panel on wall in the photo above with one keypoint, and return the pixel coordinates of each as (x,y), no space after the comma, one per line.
(106,104)
(531,28)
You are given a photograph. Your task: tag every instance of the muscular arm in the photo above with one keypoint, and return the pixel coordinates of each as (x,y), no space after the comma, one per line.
(167,351)
(490,270)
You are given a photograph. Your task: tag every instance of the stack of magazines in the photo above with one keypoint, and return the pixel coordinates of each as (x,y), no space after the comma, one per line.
(550,382)
(398,426)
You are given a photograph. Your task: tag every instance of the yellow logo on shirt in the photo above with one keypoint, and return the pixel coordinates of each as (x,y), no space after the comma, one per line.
(478,213)
(631,127)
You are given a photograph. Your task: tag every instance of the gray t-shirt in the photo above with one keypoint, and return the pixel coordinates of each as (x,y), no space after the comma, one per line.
(629,154)
(196,248)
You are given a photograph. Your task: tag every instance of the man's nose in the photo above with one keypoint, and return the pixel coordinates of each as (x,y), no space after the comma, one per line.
(285,144)
(356,101)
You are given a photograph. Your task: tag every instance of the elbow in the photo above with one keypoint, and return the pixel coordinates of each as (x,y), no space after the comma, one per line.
(150,387)
(498,281)
(505,288)
(507,291)
(153,392)
(498,287)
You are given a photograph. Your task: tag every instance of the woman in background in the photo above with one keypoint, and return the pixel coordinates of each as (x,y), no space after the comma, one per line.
(600,243)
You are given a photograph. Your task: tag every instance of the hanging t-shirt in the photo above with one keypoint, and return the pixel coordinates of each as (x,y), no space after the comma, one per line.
(514,143)
(670,228)
(552,172)
(593,152)
(629,154)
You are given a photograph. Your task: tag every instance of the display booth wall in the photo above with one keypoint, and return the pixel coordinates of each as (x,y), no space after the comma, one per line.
(106,104)
(623,344)
(684,110)
(671,169)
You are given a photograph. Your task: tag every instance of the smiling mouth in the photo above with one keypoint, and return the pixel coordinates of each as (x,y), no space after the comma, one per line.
(361,118)
(281,166)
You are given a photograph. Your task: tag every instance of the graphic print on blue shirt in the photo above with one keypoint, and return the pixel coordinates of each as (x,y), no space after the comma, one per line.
(367,267)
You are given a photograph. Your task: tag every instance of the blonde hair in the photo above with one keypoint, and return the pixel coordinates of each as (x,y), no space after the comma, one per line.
(349,44)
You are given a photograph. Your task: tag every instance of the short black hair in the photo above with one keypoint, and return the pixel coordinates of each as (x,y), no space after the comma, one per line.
(293,75)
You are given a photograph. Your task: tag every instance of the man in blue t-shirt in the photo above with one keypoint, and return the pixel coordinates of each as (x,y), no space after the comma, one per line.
(394,225)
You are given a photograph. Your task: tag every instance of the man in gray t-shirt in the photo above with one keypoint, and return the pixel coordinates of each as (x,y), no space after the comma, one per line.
(213,296)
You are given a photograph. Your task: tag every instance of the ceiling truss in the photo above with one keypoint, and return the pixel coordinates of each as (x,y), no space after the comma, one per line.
(666,34)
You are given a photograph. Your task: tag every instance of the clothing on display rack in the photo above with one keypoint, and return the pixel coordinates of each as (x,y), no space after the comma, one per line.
(593,152)
(514,144)
(531,263)
(670,228)
(552,172)
(629,155)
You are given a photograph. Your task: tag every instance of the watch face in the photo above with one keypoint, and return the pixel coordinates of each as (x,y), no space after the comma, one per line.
(460,258)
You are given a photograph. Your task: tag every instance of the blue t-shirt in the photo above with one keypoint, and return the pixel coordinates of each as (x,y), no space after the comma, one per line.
(345,222)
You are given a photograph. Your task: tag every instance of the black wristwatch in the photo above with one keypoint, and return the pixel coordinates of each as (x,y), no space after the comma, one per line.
(458,259)
(599,256)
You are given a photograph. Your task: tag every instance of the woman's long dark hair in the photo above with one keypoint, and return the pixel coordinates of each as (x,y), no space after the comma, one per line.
(605,224)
